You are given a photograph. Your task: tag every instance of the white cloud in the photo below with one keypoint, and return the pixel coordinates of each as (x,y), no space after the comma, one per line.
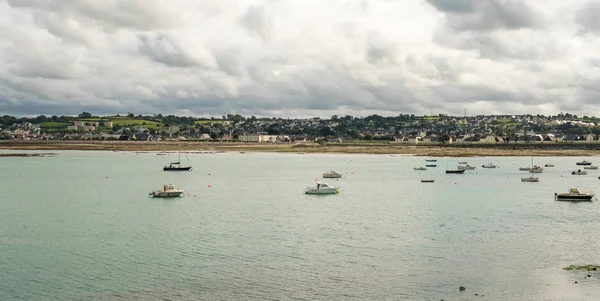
(298,57)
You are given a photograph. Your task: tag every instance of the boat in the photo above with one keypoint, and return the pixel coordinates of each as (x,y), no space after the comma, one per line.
(332,175)
(430,160)
(591,167)
(462,162)
(168,191)
(455,171)
(524,168)
(427,181)
(530,179)
(431,165)
(489,165)
(573,195)
(579,172)
(536,169)
(549,165)
(419,168)
(466,167)
(584,163)
(176,166)
(322,188)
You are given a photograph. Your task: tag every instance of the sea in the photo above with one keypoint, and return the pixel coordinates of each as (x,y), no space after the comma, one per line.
(80,225)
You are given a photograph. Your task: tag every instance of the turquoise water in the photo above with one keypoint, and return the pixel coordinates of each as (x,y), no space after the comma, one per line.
(80,226)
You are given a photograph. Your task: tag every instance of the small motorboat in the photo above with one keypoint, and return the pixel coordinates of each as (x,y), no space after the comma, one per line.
(430,160)
(332,175)
(549,165)
(427,181)
(489,165)
(530,179)
(322,188)
(574,195)
(524,168)
(419,168)
(591,167)
(462,162)
(584,163)
(168,191)
(579,172)
(466,167)
(431,165)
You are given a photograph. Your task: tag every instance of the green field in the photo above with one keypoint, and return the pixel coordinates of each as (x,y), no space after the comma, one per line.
(207,121)
(138,122)
(53,125)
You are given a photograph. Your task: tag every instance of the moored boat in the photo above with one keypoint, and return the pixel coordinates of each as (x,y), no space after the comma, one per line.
(584,163)
(431,165)
(536,169)
(530,179)
(427,181)
(549,165)
(574,195)
(591,167)
(168,191)
(322,188)
(489,165)
(430,160)
(419,168)
(332,175)
(466,167)
(462,162)
(579,172)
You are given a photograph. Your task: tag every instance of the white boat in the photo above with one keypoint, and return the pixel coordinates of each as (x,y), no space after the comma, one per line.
(462,162)
(168,191)
(489,165)
(466,167)
(322,188)
(579,172)
(530,179)
(332,175)
(419,168)
(549,165)
(591,167)
(536,169)
(573,195)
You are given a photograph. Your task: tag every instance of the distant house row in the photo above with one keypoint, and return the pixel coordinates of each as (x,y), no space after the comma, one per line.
(490,139)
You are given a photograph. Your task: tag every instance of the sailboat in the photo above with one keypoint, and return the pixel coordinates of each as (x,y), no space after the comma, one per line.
(533,169)
(176,166)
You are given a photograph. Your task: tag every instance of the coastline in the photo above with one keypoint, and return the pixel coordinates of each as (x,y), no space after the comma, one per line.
(337,148)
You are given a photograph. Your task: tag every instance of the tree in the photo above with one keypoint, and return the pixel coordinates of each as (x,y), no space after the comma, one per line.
(444,138)
(85,115)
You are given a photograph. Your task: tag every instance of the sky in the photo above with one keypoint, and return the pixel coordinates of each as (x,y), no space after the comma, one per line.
(299,58)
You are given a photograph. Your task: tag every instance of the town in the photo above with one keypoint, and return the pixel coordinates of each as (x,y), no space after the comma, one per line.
(401,129)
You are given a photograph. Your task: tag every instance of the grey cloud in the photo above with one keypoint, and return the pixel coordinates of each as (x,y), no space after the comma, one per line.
(588,16)
(487,15)
(110,15)
(170,51)
(258,21)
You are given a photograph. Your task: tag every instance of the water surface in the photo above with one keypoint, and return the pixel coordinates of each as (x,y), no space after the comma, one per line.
(80,226)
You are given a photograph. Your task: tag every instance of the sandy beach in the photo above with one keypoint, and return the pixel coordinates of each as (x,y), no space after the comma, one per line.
(342,148)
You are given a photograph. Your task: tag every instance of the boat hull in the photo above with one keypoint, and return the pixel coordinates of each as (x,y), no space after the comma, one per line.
(572,198)
(322,191)
(456,171)
(169,194)
(181,168)
(531,179)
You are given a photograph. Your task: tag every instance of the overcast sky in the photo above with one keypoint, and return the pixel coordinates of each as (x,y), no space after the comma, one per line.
(299,58)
